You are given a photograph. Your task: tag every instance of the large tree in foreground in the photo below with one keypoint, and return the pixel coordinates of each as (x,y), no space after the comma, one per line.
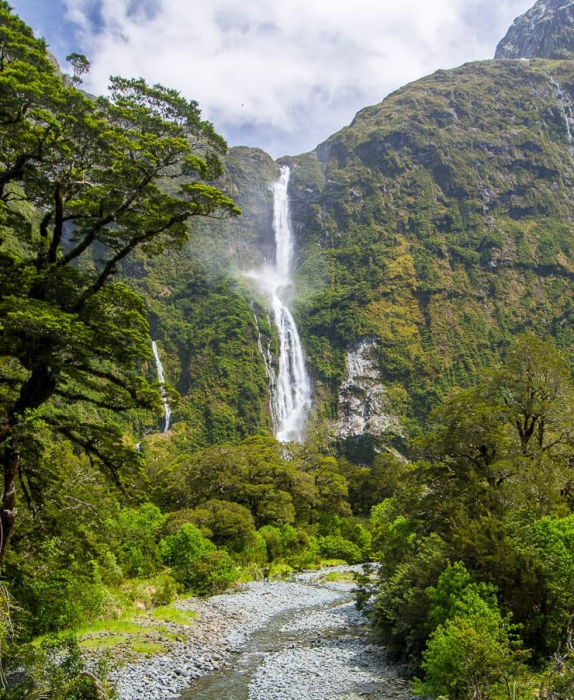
(83,183)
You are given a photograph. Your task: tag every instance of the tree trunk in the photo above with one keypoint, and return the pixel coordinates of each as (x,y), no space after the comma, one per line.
(35,391)
(8,515)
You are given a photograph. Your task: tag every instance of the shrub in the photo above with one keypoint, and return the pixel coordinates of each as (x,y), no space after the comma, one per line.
(337,547)
(183,550)
(472,654)
(213,573)
(137,531)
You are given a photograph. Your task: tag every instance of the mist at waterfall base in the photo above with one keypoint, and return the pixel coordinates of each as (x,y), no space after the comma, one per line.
(290,386)
(161,379)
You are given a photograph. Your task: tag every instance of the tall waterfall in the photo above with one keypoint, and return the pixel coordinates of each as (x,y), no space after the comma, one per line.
(161,378)
(291,390)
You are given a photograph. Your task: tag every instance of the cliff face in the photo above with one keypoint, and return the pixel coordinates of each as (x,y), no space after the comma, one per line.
(439,222)
(201,312)
(545,31)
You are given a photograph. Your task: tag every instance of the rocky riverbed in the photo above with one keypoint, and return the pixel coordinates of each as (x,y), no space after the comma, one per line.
(273,640)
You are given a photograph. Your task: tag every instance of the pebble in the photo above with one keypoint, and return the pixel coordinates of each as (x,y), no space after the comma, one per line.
(333,665)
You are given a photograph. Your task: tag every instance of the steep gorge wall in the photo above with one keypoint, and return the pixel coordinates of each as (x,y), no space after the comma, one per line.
(440,222)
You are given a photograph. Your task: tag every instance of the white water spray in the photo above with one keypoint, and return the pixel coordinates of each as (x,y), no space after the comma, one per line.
(566,109)
(291,389)
(266,356)
(161,378)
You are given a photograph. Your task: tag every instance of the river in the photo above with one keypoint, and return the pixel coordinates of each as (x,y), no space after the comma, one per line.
(300,639)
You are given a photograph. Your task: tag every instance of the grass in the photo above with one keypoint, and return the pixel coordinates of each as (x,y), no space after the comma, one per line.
(133,630)
(100,642)
(169,613)
(148,648)
(339,576)
(126,625)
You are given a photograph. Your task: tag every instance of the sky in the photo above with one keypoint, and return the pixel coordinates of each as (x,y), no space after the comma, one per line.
(282,75)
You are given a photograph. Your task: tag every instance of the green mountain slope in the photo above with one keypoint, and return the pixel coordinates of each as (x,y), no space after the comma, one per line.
(201,311)
(441,222)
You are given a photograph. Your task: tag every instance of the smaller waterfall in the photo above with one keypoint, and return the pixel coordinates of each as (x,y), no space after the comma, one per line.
(567,114)
(267,358)
(161,378)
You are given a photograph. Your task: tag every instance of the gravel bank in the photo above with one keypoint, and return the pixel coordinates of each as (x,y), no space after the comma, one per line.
(326,654)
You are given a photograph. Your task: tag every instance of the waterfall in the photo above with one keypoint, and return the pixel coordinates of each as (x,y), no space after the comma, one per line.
(267,358)
(291,388)
(161,378)
(566,109)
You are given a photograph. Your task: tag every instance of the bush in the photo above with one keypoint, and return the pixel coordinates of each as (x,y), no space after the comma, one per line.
(55,669)
(183,550)
(213,573)
(473,654)
(61,594)
(273,542)
(149,593)
(137,531)
(337,547)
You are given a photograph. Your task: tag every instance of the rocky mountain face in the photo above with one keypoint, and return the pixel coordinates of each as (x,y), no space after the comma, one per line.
(430,232)
(545,31)
(440,222)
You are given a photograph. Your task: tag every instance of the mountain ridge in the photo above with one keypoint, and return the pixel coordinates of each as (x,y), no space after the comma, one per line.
(545,31)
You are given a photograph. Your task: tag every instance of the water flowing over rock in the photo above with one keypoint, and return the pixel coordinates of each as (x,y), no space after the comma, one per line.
(161,379)
(545,31)
(363,401)
(266,356)
(567,112)
(291,387)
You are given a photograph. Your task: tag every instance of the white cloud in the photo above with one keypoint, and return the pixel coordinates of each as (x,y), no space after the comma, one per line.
(292,71)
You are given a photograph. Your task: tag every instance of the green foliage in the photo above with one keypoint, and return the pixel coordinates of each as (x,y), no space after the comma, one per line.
(494,497)
(276,487)
(61,594)
(213,573)
(137,532)
(56,669)
(78,175)
(227,524)
(337,547)
(196,563)
(183,550)
(548,546)
(472,655)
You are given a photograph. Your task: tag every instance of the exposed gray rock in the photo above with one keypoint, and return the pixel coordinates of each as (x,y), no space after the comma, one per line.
(364,407)
(545,31)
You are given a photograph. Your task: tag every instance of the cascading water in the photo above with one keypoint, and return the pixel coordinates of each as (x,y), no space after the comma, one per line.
(161,378)
(566,109)
(291,389)
(266,356)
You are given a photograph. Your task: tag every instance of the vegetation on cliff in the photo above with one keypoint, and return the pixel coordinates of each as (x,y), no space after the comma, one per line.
(438,225)
(439,221)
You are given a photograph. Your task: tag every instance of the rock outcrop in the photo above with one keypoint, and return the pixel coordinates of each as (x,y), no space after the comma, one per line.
(364,407)
(545,31)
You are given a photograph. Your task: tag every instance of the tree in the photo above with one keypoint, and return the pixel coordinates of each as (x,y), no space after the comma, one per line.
(83,183)
(508,440)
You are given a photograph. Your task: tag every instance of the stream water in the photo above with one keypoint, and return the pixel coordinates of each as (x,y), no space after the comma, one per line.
(318,651)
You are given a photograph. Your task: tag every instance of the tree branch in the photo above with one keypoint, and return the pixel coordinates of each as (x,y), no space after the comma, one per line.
(109,268)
